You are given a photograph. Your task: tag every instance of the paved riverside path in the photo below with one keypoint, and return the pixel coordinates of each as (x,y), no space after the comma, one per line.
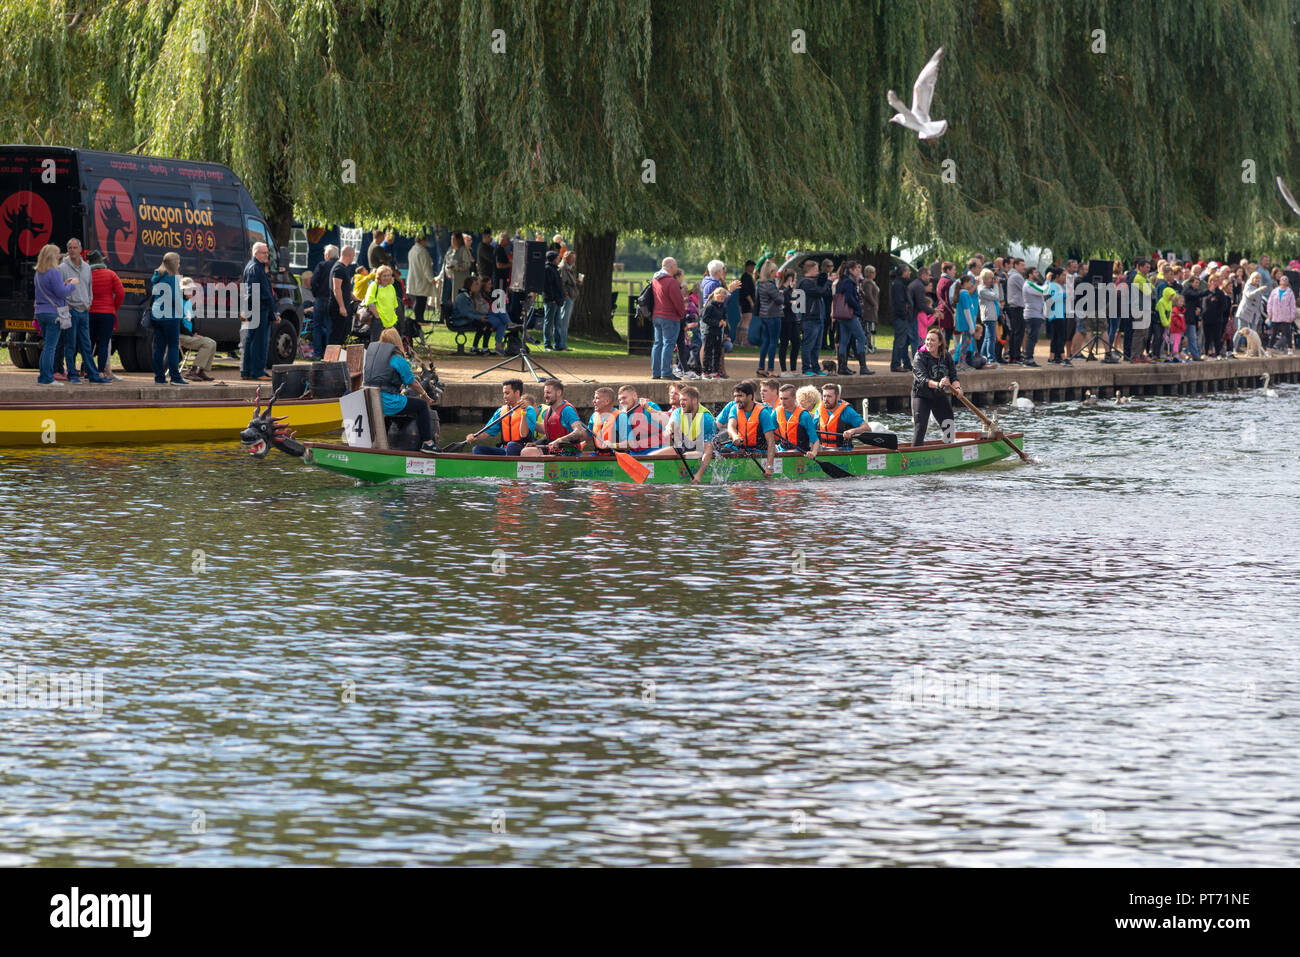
(473,398)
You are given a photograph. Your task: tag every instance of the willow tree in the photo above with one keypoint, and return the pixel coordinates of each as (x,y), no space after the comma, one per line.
(1111,127)
(754,123)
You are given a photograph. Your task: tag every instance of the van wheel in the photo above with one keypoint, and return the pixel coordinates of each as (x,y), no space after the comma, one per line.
(18,355)
(125,349)
(136,353)
(284,342)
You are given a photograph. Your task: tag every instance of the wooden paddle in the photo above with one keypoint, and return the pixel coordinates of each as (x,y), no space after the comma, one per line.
(985,419)
(752,457)
(834,471)
(687,465)
(628,463)
(457,446)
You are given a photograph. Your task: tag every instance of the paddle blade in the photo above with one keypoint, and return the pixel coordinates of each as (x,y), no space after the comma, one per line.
(834,471)
(635,470)
(881,440)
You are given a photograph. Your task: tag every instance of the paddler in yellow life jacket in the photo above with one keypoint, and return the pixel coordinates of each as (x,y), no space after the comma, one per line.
(837,422)
(514,422)
(796,429)
(691,428)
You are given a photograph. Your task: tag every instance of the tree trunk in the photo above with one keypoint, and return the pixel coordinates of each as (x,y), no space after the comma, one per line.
(592,314)
(279,218)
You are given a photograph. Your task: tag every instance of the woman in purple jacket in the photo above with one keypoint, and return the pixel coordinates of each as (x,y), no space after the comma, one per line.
(51,296)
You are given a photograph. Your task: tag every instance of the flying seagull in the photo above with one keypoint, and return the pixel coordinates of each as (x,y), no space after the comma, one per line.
(918,117)
(1286,194)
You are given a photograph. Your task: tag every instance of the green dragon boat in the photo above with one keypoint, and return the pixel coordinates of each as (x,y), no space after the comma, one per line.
(380,465)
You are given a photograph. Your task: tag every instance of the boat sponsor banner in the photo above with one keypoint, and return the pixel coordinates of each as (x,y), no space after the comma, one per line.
(531,470)
(421,466)
(876,463)
(969,453)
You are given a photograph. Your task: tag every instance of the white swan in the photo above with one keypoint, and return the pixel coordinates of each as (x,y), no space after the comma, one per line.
(1019,401)
(1270,393)
(866,417)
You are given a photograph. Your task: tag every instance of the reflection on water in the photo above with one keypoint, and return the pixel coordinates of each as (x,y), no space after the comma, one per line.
(1087,660)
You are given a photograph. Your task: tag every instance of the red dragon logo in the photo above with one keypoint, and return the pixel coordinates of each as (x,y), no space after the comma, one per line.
(25,224)
(115,225)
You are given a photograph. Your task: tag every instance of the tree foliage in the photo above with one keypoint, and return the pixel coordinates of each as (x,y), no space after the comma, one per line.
(752,141)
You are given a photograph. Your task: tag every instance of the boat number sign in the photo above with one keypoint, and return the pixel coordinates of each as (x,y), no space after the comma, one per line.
(356,420)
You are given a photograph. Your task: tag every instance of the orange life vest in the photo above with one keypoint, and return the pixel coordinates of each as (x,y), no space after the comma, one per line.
(604,428)
(514,425)
(787,425)
(829,428)
(747,426)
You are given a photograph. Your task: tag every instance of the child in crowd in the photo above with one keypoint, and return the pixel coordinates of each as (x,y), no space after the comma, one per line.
(713,323)
(1177,326)
(966,320)
(691,328)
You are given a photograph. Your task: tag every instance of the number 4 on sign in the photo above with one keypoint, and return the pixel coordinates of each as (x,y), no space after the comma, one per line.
(356,421)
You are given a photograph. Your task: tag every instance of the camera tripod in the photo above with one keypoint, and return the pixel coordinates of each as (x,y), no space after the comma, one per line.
(526,364)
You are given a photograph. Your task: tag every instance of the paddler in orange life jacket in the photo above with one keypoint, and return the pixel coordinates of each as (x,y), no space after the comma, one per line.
(769,394)
(562,430)
(796,429)
(750,426)
(601,423)
(514,422)
(837,423)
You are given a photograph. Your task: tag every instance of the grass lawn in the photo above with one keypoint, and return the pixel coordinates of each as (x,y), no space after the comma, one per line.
(444,341)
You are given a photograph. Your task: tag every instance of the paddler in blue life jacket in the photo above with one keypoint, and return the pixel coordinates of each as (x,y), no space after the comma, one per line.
(514,422)
(562,430)
(751,427)
(387,370)
(796,429)
(635,428)
(837,422)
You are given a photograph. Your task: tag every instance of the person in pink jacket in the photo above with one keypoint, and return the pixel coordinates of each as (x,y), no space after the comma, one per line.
(1281,313)
(667,315)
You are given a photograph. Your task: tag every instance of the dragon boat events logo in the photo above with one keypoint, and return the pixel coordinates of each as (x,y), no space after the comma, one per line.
(25,224)
(115,223)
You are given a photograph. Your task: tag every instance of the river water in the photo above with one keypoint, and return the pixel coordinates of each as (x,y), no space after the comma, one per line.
(1089,660)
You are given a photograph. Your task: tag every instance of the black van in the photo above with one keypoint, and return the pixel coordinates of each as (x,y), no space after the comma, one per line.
(134,209)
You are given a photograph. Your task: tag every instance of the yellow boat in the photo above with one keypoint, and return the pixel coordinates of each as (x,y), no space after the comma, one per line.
(144,422)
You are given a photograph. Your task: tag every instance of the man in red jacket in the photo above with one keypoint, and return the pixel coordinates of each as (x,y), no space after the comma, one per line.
(106,296)
(669,311)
